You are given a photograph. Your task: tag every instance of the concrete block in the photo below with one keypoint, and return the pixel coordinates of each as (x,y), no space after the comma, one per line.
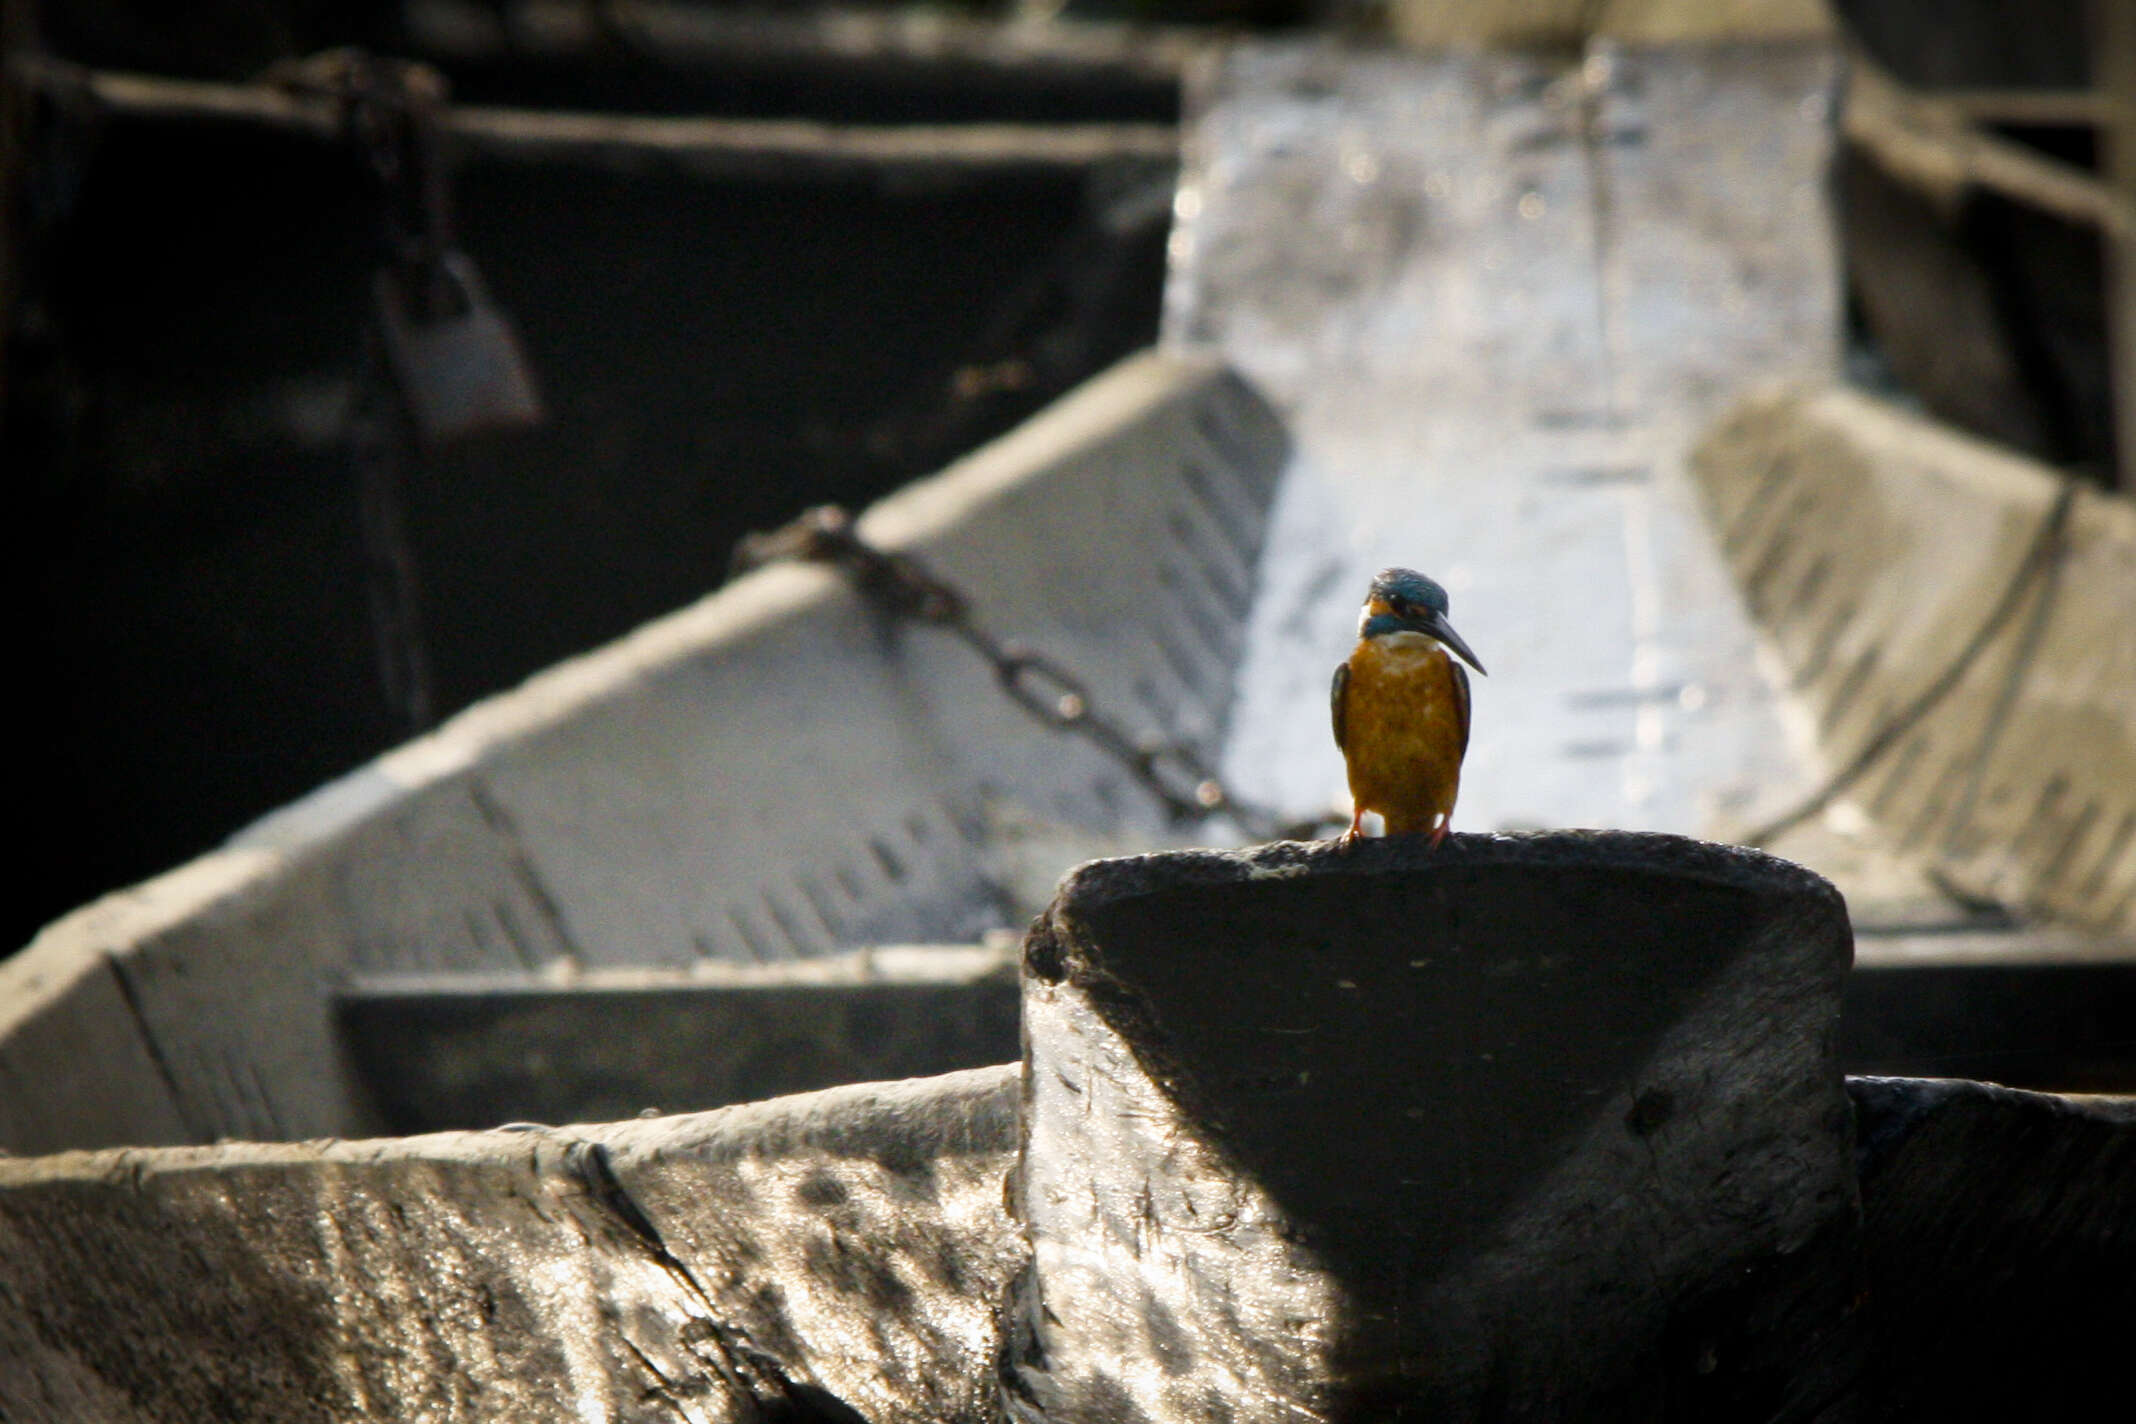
(1527,1127)
(1998,1266)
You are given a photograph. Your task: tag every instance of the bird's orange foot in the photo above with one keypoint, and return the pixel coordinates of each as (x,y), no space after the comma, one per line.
(1438,835)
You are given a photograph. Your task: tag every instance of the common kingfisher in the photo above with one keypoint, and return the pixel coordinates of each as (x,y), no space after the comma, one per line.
(1402,708)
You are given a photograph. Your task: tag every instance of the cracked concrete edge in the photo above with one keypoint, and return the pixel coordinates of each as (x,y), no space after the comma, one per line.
(847,1120)
(832,1251)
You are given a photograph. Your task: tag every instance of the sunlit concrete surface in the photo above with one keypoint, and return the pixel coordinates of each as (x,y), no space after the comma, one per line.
(1497,296)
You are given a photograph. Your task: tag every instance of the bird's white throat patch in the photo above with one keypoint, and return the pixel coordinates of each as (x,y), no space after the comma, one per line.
(1408,641)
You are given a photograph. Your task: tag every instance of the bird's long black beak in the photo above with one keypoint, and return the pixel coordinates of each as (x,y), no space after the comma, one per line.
(1435,624)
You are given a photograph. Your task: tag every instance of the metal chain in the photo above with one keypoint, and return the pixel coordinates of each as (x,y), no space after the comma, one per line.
(1054,696)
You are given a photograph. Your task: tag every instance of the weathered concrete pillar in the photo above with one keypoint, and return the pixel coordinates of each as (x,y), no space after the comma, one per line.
(1536,1126)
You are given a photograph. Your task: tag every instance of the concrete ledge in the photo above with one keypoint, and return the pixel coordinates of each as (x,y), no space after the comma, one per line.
(475,1050)
(2063,1026)
(440,1053)
(1870,546)
(831,1257)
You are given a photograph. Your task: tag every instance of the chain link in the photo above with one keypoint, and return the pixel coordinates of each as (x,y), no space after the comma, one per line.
(1051,694)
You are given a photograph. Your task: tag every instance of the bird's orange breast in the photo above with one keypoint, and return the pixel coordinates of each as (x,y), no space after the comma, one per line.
(1404,730)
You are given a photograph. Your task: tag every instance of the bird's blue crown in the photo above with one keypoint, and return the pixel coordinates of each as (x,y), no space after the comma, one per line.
(1407,586)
